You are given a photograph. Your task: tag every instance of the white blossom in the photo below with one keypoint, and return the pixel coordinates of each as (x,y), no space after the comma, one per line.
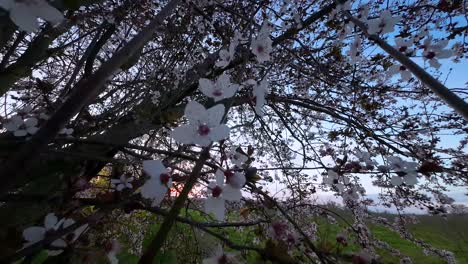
(407,170)
(262,45)
(35,234)
(226,56)
(218,193)
(435,50)
(235,179)
(237,158)
(355,50)
(333,179)
(24,13)
(122,183)
(221,89)
(20,127)
(399,69)
(385,23)
(204,125)
(404,46)
(160,181)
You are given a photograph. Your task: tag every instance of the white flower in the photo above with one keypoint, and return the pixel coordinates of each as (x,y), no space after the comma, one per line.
(160,181)
(237,158)
(226,56)
(220,257)
(235,179)
(407,171)
(24,13)
(398,68)
(219,90)
(262,45)
(218,193)
(351,194)
(354,51)
(434,51)
(35,234)
(122,183)
(333,179)
(204,125)
(420,35)
(384,24)
(14,123)
(259,92)
(365,157)
(20,127)
(403,45)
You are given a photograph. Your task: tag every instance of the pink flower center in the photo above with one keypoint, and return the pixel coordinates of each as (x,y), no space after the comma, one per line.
(382,25)
(216,191)
(430,55)
(217,92)
(260,49)
(164,177)
(203,130)
(228,173)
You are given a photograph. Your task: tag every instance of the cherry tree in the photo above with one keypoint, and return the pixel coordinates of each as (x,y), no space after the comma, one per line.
(114,109)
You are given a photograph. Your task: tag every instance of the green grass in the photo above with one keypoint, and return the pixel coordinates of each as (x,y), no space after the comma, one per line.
(449,234)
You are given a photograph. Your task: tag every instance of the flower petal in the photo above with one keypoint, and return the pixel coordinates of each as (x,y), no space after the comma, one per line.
(10,126)
(396,180)
(67,222)
(32,130)
(215,206)
(219,133)
(231,90)
(203,141)
(20,133)
(184,134)
(7,4)
(411,179)
(34,233)
(48,13)
(50,221)
(154,190)
(154,168)
(206,86)
(238,180)
(31,122)
(219,177)
(23,17)
(194,111)
(215,115)
(231,194)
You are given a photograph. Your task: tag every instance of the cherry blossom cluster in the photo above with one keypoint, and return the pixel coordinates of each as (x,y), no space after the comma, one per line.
(27,122)
(35,234)
(431,50)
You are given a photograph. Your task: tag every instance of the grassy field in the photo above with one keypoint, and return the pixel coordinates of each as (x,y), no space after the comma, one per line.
(187,245)
(449,234)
